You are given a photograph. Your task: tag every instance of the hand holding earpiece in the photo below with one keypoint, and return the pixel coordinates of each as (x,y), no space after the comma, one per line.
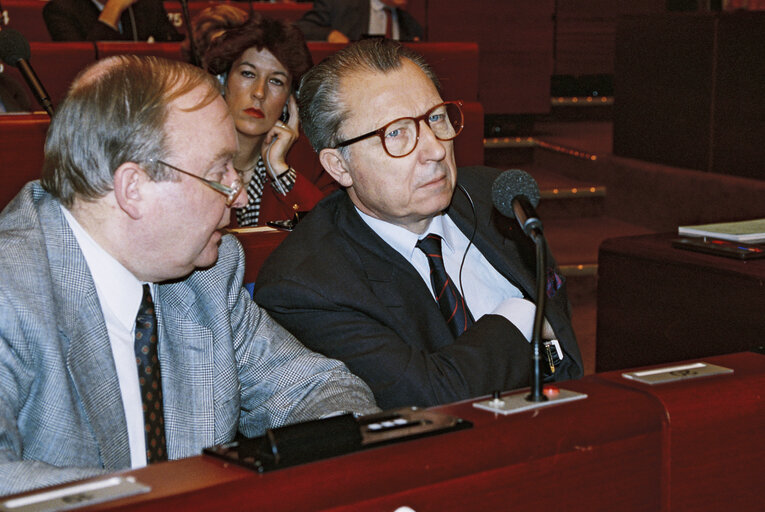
(280,139)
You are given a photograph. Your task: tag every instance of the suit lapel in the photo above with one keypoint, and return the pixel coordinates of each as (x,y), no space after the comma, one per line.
(395,283)
(186,354)
(89,356)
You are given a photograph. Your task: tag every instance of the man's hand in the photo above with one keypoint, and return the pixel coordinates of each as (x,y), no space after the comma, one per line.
(337,37)
(113,10)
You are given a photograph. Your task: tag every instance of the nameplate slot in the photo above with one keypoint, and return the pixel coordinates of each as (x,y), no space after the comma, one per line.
(676,373)
(76,496)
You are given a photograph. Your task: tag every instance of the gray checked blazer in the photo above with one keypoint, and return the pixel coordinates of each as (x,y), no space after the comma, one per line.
(226,365)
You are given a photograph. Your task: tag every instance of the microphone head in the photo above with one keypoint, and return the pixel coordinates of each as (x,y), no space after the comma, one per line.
(13,46)
(511,184)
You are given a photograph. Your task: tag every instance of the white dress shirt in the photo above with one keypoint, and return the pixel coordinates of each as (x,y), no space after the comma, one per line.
(485,290)
(377,19)
(120,295)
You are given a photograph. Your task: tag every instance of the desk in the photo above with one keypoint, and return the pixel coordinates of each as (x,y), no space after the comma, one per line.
(715,441)
(658,304)
(559,454)
(691,445)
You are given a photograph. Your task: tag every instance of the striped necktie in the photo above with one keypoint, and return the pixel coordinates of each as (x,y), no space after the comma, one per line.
(448,296)
(147,359)
(388,22)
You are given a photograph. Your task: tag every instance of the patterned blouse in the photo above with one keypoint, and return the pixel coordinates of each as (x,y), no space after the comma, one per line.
(248,214)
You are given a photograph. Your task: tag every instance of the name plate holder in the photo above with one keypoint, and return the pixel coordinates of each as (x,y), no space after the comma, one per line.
(510,404)
(76,496)
(676,373)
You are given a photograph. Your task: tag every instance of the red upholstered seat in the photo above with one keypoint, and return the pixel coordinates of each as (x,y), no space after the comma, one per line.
(26,17)
(257,243)
(286,11)
(56,65)
(109,48)
(21,151)
(455,64)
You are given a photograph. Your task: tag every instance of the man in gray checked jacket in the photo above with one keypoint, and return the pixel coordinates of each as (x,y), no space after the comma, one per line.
(137,187)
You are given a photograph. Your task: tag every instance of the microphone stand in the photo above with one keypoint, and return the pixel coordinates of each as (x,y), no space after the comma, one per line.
(536,394)
(195,57)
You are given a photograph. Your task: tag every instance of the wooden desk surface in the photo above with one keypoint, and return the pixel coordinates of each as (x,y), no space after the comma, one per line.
(563,452)
(690,445)
(715,441)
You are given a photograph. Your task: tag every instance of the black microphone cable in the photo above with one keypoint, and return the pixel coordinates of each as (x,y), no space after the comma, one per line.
(470,240)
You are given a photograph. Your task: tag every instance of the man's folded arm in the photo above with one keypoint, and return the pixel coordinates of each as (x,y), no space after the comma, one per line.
(490,355)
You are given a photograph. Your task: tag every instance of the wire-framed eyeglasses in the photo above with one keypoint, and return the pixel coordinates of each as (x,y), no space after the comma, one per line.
(230,193)
(400,137)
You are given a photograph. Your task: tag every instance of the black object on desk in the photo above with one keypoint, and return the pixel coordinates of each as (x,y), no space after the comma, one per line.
(329,437)
(718,247)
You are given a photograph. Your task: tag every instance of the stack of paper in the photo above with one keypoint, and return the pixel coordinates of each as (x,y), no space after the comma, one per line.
(746,231)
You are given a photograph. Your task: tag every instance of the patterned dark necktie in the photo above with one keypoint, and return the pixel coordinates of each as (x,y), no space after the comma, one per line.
(147,359)
(449,299)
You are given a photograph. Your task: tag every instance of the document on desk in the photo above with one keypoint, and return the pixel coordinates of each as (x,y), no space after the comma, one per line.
(749,231)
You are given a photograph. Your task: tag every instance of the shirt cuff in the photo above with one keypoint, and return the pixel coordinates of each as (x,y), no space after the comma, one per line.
(520,312)
(286,181)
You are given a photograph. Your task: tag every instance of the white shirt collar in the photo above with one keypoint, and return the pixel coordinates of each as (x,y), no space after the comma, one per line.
(376,5)
(403,240)
(118,289)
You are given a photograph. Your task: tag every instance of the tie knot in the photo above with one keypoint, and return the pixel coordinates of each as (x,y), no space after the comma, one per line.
(430,245)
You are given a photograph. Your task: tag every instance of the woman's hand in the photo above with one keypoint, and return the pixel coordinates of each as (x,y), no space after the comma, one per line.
(280,139)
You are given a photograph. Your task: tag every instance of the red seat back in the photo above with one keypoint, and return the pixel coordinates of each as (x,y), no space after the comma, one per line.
(56,65)
(110,48)
(21,151)
(257,243)
(26,17)
(286,11)
(455,65)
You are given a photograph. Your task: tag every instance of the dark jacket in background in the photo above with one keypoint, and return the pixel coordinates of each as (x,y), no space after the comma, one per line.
(351,17)
(77,20)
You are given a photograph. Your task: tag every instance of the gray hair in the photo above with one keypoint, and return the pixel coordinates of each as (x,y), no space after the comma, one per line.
(115,112)
(322,110)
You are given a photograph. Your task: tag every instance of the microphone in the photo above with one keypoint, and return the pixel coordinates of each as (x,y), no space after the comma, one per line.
(14,51)
(515,194)
(196,59)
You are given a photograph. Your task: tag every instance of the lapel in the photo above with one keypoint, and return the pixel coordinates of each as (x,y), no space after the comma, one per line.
(89,357)
(188,371)
(395,283)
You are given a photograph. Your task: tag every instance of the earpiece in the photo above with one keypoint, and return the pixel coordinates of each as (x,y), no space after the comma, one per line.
(222,81)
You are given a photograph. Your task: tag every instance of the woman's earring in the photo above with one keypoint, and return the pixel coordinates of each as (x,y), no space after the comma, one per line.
(222,81)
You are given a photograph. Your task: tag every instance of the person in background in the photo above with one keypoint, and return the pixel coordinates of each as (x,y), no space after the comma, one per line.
(374,276)
(259,65)
(126,337)
(109,20)
(341,21)
(209,24)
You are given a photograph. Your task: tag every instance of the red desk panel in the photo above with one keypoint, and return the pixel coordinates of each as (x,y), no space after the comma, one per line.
(658,304)
(715,442)
(560,456)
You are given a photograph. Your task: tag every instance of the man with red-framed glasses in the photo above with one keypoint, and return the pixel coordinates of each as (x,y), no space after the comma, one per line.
(400,275)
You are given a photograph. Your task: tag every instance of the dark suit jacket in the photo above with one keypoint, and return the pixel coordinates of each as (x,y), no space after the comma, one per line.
(351,17)
(77,20)
(345,292)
